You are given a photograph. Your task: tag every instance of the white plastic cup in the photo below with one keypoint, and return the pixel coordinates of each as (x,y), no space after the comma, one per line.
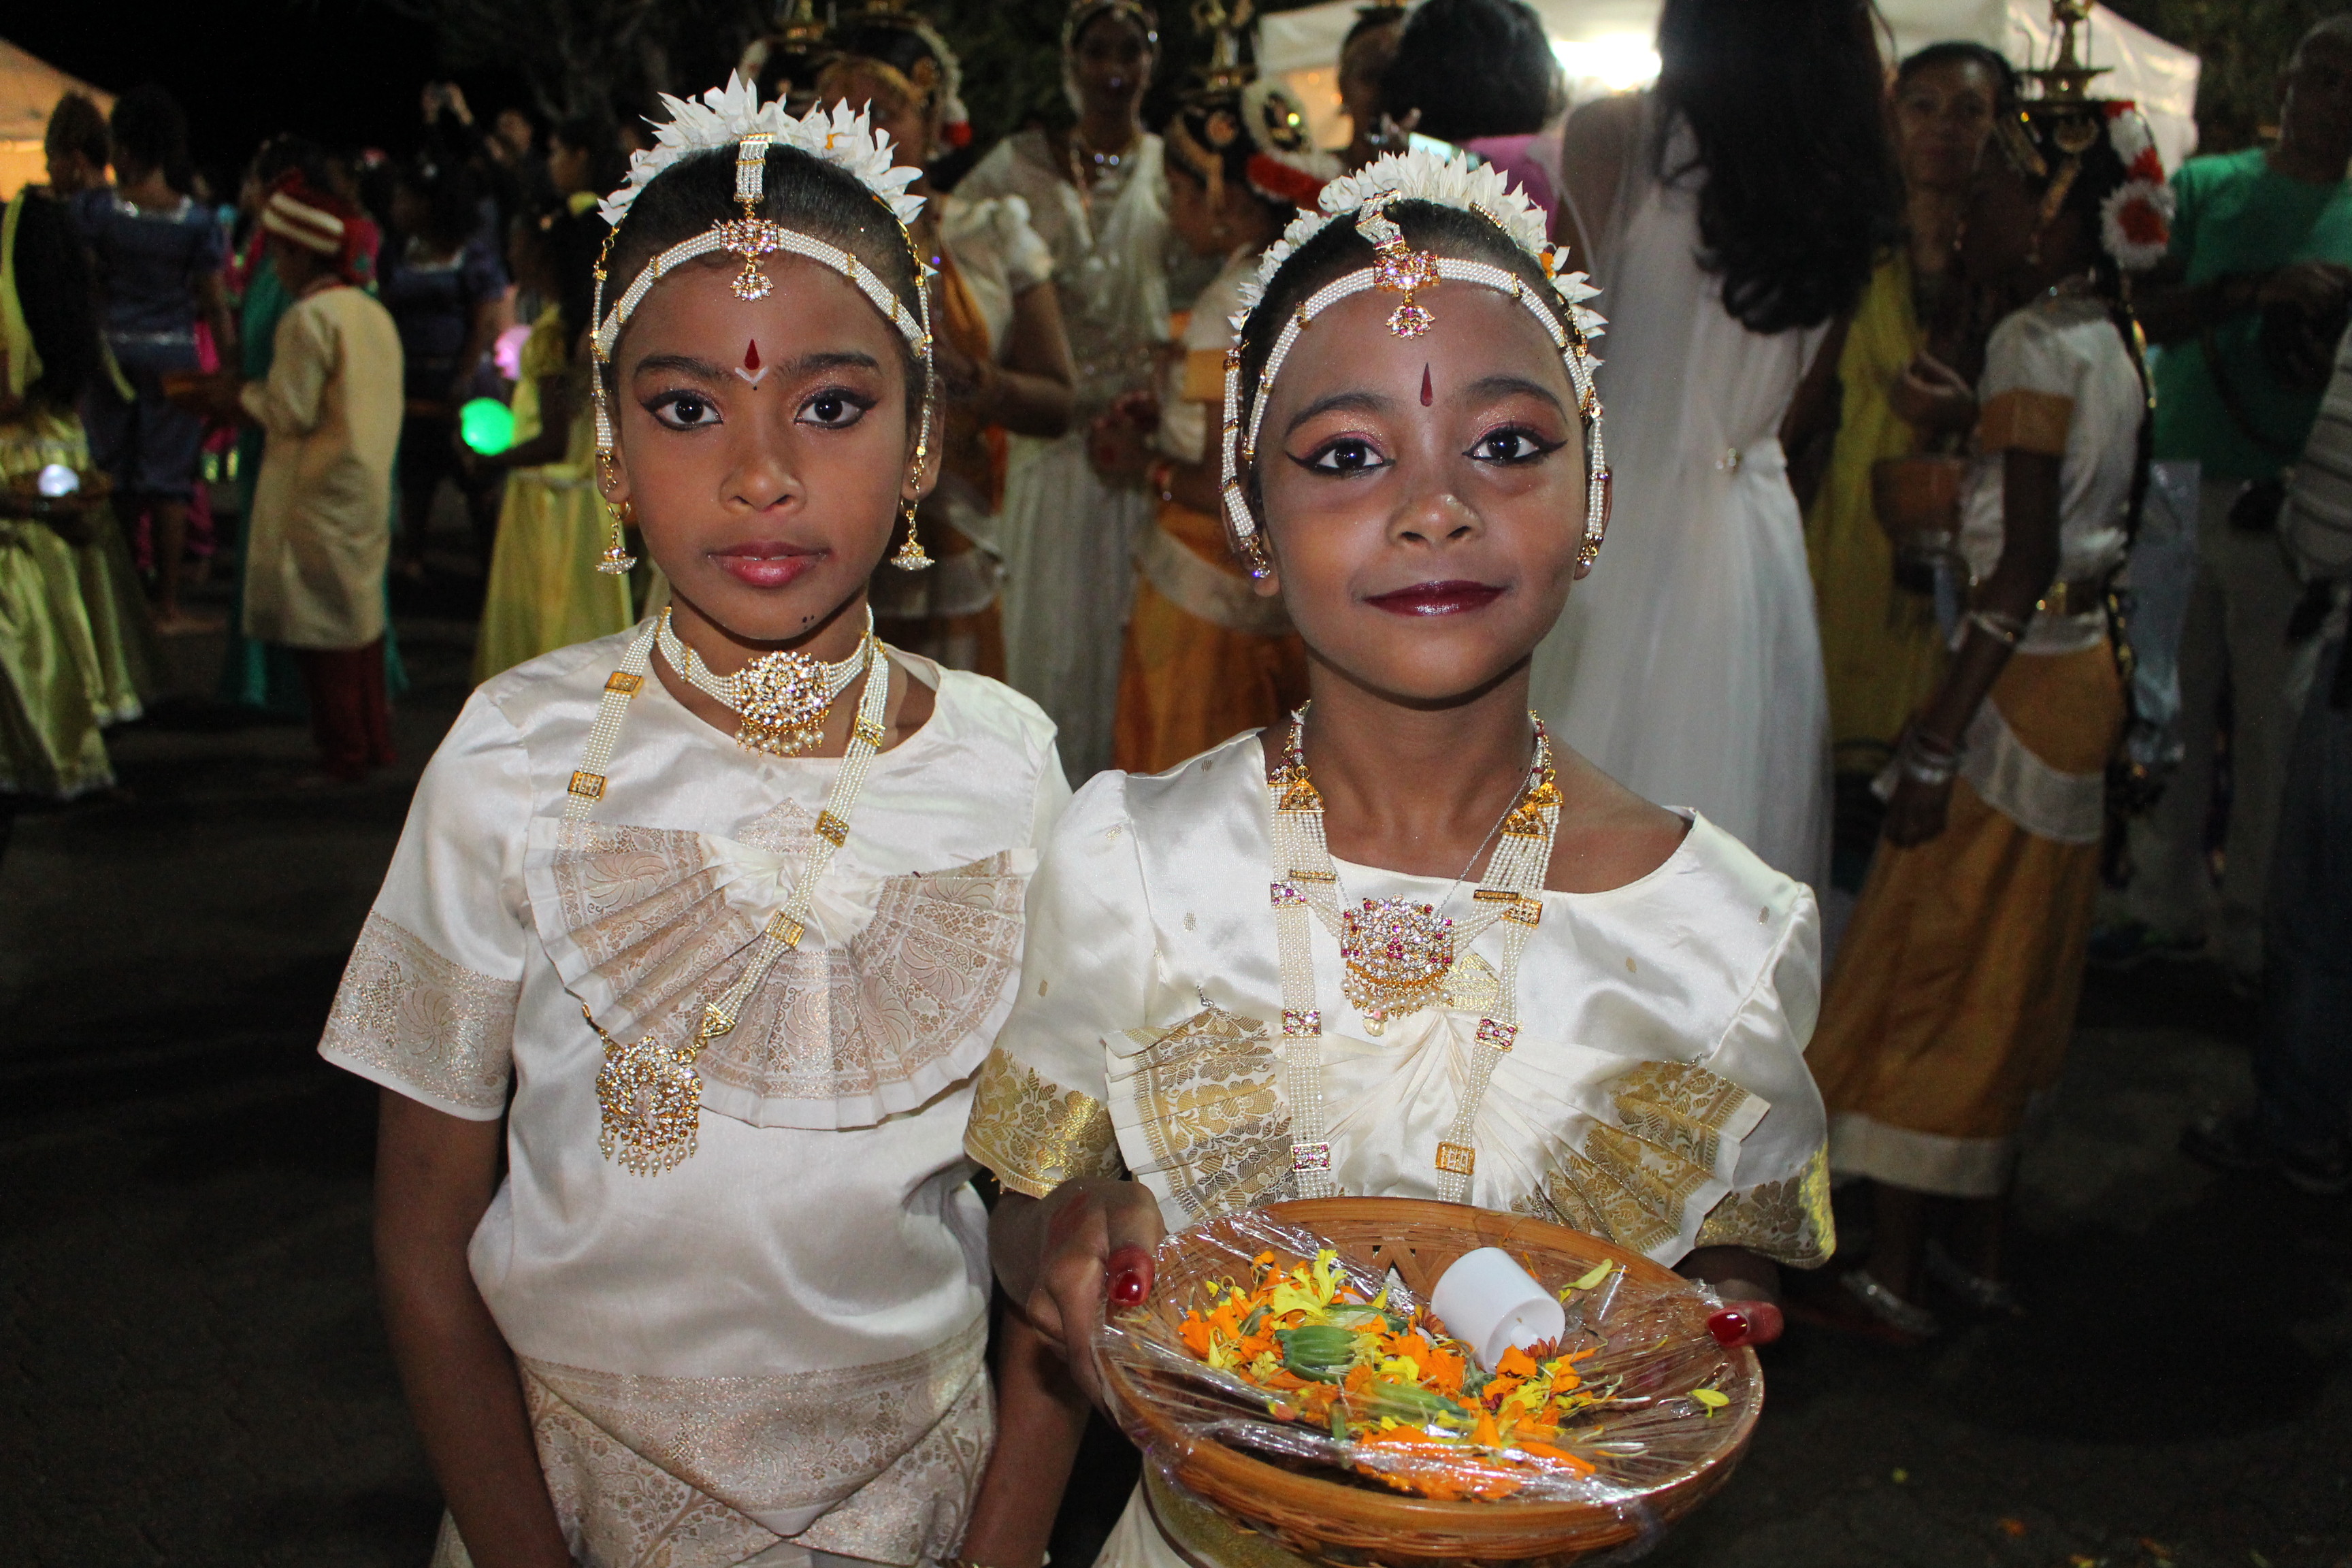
(1491,1303)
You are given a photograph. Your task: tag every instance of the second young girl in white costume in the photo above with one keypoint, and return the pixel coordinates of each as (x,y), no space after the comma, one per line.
(1293,966)
(718,917)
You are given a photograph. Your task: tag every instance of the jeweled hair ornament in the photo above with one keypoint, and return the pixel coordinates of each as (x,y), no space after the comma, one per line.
(1399,269)
(733,116)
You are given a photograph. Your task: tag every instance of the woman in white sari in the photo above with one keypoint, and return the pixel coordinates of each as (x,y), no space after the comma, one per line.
(1097,197)
(1726,247)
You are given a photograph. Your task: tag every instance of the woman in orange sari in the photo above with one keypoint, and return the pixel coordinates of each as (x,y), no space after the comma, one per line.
(1205,657)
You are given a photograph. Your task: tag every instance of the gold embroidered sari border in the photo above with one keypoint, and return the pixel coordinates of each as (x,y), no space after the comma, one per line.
(1034,1134)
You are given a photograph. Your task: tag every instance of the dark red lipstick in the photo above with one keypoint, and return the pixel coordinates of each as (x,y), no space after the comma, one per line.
(1437,599)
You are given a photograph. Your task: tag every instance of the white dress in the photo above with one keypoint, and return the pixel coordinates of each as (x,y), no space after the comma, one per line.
(1688,665)
(1067,538)
(1657,1093)
(779,1343)
(998,257)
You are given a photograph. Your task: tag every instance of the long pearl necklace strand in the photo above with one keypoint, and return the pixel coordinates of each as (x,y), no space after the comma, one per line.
(649,1096)
(1397,954)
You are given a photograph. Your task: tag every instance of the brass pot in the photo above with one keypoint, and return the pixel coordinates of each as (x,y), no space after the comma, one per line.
(1917,501)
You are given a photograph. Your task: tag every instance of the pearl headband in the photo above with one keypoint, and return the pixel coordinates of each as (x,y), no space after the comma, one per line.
(1398,268)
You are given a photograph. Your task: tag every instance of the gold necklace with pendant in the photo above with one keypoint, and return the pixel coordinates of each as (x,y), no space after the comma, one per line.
(648,1095)
(780,700)
(1397,954)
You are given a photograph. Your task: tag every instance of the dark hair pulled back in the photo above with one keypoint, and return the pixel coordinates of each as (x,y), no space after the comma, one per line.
(1962,51)
(151,131)
(78,125)
(1785,104)
(1473,68)
(53,285)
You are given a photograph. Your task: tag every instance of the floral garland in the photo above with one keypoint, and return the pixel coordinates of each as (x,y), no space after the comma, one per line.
(2136,218)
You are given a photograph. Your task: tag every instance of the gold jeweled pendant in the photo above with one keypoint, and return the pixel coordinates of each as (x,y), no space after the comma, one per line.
(1397,954)
(651,1100)
(780,702)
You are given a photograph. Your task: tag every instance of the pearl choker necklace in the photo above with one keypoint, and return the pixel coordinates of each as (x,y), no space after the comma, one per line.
(780,700)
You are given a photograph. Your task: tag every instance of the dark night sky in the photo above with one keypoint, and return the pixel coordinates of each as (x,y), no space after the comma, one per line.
(345,72)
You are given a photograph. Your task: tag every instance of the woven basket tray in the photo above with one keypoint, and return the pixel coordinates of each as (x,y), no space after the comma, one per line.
(1320,1513)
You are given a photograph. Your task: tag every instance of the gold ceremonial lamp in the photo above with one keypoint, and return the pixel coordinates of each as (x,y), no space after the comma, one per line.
(2076,119)
(2065,79)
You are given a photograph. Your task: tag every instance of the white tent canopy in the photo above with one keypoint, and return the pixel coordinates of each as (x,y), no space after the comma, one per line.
(29,90)
(1605,45)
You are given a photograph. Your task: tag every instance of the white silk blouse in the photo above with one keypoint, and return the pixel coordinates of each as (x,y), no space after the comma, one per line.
(783,1337)
(1657,1093)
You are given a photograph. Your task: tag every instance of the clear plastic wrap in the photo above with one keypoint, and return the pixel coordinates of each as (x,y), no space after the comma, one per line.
(1664,1411)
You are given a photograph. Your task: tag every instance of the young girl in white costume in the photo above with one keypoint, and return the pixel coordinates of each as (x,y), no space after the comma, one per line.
(1602,1022)
(719,915)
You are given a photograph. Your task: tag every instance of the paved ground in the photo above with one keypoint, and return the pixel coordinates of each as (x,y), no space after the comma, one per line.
(192,1373)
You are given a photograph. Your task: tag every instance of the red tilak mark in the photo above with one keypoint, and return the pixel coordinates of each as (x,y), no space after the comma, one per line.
(752,371)
(1424,386)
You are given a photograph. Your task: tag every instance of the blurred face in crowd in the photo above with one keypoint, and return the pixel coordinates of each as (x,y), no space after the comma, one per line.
(513,134)
(567,167)
(2315,106)
(1424,496)
(767,496)
(2004,215)
(1943,112)
(298,266)
(410,211)
(1202,227)
(895,113)
(528,261)
(1361,66)
(69,172)
(1112,62)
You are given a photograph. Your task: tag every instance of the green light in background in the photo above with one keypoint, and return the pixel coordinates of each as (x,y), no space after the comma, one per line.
(487,426)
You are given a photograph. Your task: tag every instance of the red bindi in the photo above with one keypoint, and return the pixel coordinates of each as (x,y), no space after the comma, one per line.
(1424,386)
(752,371)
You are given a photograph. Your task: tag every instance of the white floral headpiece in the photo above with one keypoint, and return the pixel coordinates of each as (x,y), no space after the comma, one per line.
(844,137)
(733,117)
(1458,182)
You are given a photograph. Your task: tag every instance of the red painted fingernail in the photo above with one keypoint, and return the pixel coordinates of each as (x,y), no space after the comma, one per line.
(1130,1269)
(1729,1327)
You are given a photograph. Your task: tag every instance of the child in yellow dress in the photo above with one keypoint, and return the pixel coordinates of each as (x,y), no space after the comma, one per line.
(545,591)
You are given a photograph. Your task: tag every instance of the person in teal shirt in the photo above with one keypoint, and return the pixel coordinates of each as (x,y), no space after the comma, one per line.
(2247,309)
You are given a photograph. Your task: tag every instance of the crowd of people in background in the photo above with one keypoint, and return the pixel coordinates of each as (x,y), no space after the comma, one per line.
(1879,450)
